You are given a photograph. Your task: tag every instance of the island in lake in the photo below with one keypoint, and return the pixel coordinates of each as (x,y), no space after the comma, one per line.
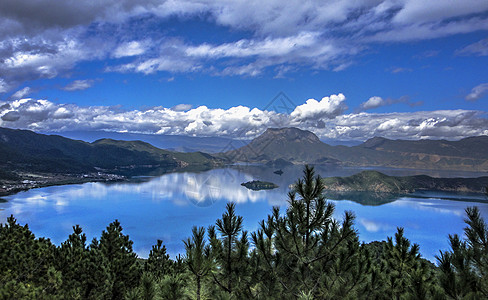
(257,185)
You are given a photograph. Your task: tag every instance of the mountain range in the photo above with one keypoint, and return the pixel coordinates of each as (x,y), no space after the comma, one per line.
(177,143)
(300,146)
(24,150)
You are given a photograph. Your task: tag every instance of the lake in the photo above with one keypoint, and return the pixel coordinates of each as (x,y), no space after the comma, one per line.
(166,207)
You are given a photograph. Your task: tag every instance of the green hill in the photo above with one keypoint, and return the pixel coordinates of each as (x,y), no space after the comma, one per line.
(25,150)
(373,181)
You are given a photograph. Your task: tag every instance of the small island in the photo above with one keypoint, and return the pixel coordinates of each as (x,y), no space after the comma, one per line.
(257,185)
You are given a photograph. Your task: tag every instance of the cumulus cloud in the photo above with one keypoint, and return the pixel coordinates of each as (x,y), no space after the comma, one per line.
(11,116)
(325,118)
(327,108)
(375,102)
(441,124)
(79,85)
(477,92)
(21,93)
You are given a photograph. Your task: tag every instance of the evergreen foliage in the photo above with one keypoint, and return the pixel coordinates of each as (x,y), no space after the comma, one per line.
(465,268)
(158,262)
(301,253)
(116,248)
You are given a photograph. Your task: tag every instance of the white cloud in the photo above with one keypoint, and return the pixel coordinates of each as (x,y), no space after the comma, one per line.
(21,93)
(479,48)
(440,124)
(30,60)
(424,31)
(3,86)
(327,108)
(79,85)
(130,49)
(264,48)
(477,92)
(373,102)
(181,107)
(283,35)
(172,61)
(11,116)
(325,118)
(431,11)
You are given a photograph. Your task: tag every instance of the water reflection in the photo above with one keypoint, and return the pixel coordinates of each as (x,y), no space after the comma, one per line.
(166,207)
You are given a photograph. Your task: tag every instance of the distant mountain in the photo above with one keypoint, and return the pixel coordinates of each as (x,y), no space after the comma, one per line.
(469,147)
(25,150)
(290,144)
(300,146)
(163,141)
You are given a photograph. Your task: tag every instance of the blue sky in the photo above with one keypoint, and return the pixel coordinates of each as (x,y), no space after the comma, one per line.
(395,68)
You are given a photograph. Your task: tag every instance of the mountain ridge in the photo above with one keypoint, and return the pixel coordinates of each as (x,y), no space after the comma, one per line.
(27,150)
(301,146)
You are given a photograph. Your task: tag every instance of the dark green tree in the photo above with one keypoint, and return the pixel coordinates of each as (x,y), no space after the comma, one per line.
(173,285)
(229,252)
(26,263)
(406,274)
(116,248)
(464,269)
(158,262)
(197,258)
(85,273)
(305,252)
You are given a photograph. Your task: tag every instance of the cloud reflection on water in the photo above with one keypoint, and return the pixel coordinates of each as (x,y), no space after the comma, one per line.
(166,207)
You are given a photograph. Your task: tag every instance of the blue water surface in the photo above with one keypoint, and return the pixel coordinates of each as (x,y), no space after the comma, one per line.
(166,207)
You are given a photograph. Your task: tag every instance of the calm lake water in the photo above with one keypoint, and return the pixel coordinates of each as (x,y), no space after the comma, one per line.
(166,207)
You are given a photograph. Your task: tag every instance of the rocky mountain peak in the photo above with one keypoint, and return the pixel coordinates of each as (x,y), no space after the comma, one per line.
(290,134)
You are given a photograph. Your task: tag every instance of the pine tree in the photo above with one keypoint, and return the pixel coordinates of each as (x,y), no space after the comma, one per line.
(229,251)
(158,262)
(122,261)
(197,257)
(85,273)
(464,269)
(400,257)
(306,251)
(25,263)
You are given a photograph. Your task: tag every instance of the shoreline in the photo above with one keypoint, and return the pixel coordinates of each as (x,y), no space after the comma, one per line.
(12,187)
